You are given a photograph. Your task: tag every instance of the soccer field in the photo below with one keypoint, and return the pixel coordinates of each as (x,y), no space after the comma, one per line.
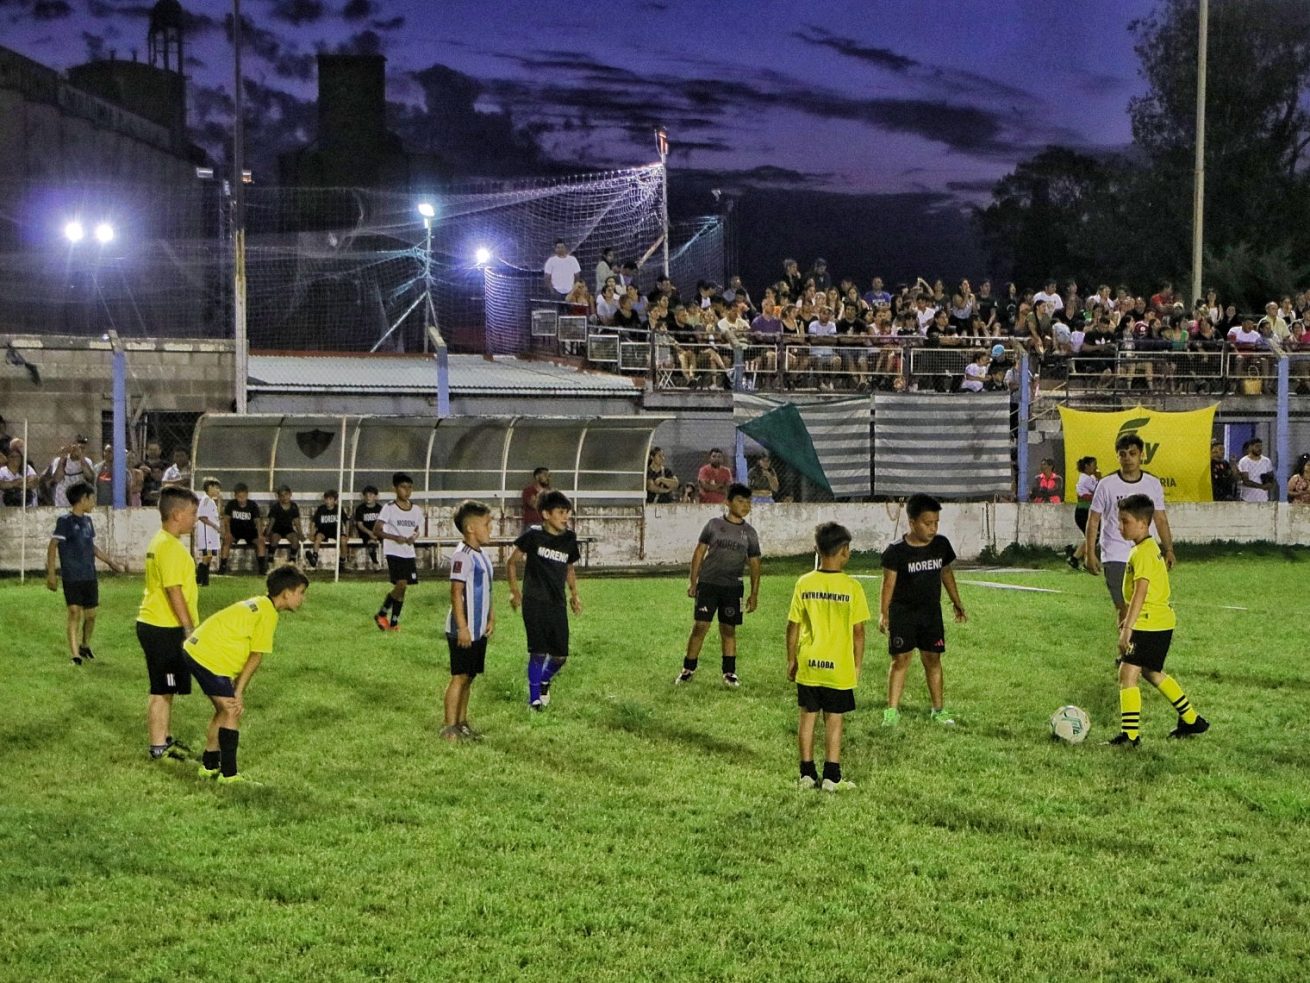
(637,831)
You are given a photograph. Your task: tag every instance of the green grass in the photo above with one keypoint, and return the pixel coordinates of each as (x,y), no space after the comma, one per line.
(636,831)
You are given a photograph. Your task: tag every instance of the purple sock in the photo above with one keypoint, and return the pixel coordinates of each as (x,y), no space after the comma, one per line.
(536,669)
(552,667)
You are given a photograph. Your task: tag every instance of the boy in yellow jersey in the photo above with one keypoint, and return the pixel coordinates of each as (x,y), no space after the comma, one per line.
(169,610)
(1147,628)
(224,652)
(825,651)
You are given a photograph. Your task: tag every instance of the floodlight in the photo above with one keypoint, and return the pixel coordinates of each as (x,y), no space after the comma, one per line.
(104,233)
(482,256)
(73,231)
(426,210)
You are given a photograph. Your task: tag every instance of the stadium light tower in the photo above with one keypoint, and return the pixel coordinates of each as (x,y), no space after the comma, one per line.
(428,211)
(482,256)
(104,233)
(662,145)
(73,231)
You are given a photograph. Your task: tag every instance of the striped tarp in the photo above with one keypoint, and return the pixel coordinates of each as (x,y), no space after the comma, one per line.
(839,429)
(953,445)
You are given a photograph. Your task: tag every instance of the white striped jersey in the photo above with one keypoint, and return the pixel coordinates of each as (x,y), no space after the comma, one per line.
(474,568)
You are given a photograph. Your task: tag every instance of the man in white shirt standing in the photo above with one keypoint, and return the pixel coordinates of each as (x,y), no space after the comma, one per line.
(71,466)
(561,270)
(1054,302)
(1257,474)
(1130,479)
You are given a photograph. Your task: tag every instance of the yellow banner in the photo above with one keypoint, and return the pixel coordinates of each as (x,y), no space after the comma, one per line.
(1177,446)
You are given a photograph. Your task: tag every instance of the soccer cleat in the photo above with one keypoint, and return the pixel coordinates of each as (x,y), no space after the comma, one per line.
(684,677)
(942,717)
(730,680)
(184,748)
(536,706)
(76,660)
(1072,561)
(1199,726)
(451,733)
(843,786)
(311,557)
(806,782)
(393,626)
(203,772)
(85,652)
(382,621)
(238,779)
(1123,740)
(891,717)
(467,732)
(545,694)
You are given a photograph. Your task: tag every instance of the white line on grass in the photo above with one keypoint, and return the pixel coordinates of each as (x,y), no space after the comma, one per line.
(993,584)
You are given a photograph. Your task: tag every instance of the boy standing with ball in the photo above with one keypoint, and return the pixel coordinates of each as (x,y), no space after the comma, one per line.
(914,571)
(1147,627)
(825,652)
(471,621)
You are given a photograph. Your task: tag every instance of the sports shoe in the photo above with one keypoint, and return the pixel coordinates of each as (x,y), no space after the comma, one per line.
(684,677)
(180,746)
(942,717)
(1072,561)
(843,786)
(76,660)
(468,733)
(1123,740)
(891,717)
(382,621)
(806,782)
(451,733)
(545,694)
(85,652)
(204,772)
(238,779)
(730,680)
(536,706)
(1199,726)
(311,557)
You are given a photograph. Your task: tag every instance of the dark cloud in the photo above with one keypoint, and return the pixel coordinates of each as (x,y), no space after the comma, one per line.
(51,9)
(882,57)
(390,24)
(971,187)
(95,45)
(358,9)
(298,12)
(363,43)
(286,60)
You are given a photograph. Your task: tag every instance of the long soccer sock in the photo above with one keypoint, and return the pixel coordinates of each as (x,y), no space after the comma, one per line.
(386,605)
(227,750)
(730,665)
(1172,692)
(536,669)
(210,759)
(807,768)
(1130,711)
(689,664)
(554,665)
(395,610)
(262,562)
(832,771)
(202,575)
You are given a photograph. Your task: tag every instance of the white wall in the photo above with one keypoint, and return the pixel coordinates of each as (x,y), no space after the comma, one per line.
(671,530)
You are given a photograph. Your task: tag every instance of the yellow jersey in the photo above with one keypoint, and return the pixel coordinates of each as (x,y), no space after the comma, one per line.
(168,564)
(1146,563)
(827,605)
(224,642)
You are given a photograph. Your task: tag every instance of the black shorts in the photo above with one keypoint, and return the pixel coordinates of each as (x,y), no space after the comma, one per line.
(210,683)
(402,568)
(165,660)
(812,699)
(243,532)
(1148,649)
(547,626)
(712,599)
(471,661)
(286,531)
(1080,519)
(83,593)
(910,629)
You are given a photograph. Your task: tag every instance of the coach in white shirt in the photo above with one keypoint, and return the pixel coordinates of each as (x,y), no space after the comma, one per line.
(561,270)
(1051,296)
(1130,479)
(1257,474)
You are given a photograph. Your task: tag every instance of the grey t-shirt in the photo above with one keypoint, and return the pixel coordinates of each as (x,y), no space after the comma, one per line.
(730,544)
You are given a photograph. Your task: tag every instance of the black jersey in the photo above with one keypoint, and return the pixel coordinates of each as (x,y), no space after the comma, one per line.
(918,572)
(548,559)
(367,515)
(283,519)
(241,514)
(325,521)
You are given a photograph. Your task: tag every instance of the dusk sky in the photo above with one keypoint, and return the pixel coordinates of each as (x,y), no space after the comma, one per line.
(855,95)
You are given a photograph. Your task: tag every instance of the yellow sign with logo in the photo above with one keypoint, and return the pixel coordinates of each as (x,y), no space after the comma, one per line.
(1177,447)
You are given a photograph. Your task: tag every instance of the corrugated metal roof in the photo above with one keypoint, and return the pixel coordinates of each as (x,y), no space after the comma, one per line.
(469,375)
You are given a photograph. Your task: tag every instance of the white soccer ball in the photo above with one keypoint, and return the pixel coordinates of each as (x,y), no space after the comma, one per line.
(1070,724)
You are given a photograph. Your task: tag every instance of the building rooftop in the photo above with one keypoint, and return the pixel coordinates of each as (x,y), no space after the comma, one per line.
(470,375)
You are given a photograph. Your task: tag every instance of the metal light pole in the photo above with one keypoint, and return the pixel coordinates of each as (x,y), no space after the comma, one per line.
(1198,181)
(239,216)
(662,144)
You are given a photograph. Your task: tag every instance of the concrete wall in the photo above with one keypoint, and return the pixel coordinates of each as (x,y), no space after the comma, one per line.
(76,386)
(670,531)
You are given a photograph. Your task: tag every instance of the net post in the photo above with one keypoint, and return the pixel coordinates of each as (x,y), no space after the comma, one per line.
(443,372)
(1021,432)
(119,421)
(1282,434)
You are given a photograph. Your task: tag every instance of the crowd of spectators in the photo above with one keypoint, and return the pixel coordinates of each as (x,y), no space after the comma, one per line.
(835,332)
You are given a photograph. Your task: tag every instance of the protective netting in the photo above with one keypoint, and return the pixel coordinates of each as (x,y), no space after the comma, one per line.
(327,269)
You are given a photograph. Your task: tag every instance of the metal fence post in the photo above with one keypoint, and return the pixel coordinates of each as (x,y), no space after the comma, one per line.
(119,477)
(1021,430)
(1282,435)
